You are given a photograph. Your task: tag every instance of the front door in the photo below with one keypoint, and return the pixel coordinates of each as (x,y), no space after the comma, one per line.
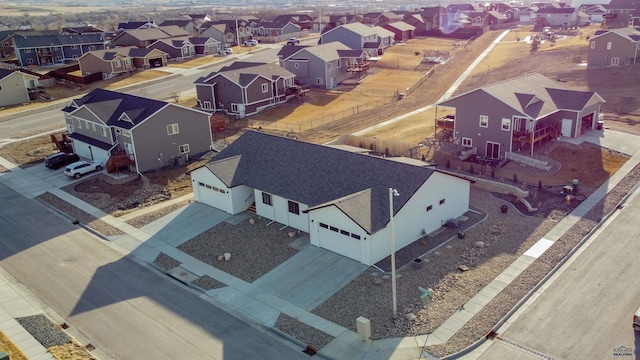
(566,127)
(493,150)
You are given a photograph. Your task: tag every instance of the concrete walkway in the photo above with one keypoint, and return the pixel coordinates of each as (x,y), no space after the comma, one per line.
(264,300)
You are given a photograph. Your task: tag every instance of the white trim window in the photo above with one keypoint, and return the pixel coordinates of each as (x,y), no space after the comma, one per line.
(615,61)
(467,142)
(593,45)
(265,88)
(173,129)
(104,131)
(506,124)
(608,45)
(484,121)
(234,108)
(183,149)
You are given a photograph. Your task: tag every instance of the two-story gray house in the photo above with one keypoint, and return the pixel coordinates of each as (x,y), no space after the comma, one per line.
(519,113)
(46,50)
(151,133)
(244,88)
(324,66)
(614,47)
(358,36)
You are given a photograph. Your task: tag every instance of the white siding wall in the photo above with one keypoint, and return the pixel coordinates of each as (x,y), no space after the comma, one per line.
(414,217)
(279,211)
(241,198)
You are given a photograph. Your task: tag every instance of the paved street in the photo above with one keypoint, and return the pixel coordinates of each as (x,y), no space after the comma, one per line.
(585,311)
(119,304)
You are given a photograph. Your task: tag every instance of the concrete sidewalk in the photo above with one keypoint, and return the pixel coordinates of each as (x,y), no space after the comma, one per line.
(254,303)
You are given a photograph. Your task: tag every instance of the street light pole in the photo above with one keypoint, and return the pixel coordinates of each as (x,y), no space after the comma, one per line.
(393,192)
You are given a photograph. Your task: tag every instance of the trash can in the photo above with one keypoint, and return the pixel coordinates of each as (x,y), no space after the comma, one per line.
(417,263)
(461,234)
(504,208)
(400,96)
(600,125)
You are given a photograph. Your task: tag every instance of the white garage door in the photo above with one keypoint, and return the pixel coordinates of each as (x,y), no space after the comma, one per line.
(211,196)
(87,151)
(340,243)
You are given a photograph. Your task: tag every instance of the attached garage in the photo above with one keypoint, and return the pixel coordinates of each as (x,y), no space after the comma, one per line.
(340,241)
(91,149)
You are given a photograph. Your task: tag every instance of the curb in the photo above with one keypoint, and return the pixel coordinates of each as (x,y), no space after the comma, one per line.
(546,278)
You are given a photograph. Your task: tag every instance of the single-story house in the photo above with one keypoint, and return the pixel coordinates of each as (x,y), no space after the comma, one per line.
(341,198)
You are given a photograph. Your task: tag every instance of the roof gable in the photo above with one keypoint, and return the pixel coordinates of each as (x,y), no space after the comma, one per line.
(317,175)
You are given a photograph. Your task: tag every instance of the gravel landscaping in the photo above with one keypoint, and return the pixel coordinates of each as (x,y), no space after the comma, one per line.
(44,330)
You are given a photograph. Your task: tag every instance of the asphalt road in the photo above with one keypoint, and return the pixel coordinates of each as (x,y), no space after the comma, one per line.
(159,91)
(123,307)
(586,311)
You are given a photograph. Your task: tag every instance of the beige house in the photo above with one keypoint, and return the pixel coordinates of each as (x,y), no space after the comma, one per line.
(14,87)
(111,62)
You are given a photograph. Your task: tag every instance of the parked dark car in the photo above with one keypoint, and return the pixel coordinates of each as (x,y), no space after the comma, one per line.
(58,160)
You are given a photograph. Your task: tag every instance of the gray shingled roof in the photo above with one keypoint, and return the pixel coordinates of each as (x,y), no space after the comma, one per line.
(318,176)
(631,33)
(243,73)
(535,95)
(58,39)
(110,105)
(327,52)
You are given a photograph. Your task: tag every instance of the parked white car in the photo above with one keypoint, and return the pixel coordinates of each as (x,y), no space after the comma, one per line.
(77,169)
(250,43)
(225,51)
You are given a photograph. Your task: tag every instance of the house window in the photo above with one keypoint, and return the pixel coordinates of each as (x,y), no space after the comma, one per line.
(333,228)
(78,124)
(323,225)
(118,63)
(265,88)
(86,124)
(355,236)
(207,105)
(615,61)
(338,63)
(172,129)
(442,202)
(104,131)
(296,66)
(27,50)
(29,61)
(234,108)
(506,124)
(74,57)
(58,58)
(430,207)
(345,232)
(93,127)
(126,133)
(92,47)
(183,149)
(294,207)
(608,45)
(266,199)
(593,45)
(0,87)
(328,66)
(484,121)
(467,141)
(318,81)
